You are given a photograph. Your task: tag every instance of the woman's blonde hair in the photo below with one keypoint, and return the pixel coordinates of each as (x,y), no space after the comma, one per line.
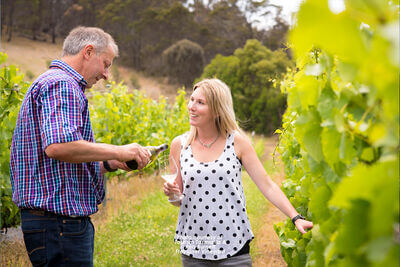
(219,98)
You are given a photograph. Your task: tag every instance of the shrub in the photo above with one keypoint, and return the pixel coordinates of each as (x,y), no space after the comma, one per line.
(135,82)
(116,75)
(184,61)
(48,63)
(29,74)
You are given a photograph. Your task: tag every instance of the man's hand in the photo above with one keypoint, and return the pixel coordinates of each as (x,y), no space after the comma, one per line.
(136,152)
(115,164)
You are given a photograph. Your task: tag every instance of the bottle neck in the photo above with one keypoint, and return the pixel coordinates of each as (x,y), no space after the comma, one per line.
(156,149)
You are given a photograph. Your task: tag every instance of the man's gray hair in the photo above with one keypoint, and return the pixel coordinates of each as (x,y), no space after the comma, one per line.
(81,36)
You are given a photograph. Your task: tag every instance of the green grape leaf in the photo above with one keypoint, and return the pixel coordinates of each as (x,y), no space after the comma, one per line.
(350,235)
(347,151)
(367,154)
(308,133)
(367,180)
(308,89)
(323,29)
(326,102)
(330,140)
(377,249)
(290,243)
(318,203)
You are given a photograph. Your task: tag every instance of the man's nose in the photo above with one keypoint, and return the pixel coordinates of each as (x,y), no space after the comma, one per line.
(106,74)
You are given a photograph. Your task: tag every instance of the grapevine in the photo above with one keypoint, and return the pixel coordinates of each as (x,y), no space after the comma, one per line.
(339,136)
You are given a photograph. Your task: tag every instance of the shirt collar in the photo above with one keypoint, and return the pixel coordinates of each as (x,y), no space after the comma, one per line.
(59,64)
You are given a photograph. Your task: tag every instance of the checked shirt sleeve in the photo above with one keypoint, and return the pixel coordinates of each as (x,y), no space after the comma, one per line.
(61,114)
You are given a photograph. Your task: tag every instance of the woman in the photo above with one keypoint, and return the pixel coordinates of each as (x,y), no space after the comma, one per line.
(213,227)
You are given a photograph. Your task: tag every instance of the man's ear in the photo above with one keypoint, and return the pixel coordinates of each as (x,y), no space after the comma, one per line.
(88,51)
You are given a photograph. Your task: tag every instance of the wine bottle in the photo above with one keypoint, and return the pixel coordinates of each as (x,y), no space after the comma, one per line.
(154,152)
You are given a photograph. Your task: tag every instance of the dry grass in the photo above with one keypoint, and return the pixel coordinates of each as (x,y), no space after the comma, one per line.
(266,239)
(123,195)
(34,56)
(13,253)
(152,86)
(30,55)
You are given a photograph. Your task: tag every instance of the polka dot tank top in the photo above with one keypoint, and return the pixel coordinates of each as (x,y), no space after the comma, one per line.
(212,223)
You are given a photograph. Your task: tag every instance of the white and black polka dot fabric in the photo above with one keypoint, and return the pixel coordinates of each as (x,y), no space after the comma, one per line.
(212,223)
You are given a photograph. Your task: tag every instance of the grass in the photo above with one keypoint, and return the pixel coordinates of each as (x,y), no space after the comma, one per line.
(142,234)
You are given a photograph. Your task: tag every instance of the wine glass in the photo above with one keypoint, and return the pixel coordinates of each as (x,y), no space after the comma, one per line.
(169,172)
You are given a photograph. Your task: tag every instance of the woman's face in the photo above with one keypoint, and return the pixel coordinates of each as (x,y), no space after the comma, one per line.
(199,110)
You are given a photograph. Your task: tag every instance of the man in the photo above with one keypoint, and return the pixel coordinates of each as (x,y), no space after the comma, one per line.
(56,167)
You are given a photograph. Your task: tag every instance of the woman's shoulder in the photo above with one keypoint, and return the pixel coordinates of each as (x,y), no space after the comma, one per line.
(178,141)
(240,137)
(241,142)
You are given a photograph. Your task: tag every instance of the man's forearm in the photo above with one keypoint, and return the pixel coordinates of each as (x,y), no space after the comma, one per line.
(81,151)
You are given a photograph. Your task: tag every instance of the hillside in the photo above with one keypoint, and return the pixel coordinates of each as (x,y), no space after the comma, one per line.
(33,57)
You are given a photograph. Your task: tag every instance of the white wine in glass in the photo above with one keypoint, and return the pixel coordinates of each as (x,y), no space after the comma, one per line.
(169,172)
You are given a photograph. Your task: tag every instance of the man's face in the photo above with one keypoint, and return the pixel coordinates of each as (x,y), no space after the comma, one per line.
(98,67)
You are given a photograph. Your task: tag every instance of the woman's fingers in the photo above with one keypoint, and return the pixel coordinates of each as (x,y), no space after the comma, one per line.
(170,189)
(302,225)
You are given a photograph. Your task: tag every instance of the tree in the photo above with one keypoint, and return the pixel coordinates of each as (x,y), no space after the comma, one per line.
(251,73)
(7,17)
(223,27)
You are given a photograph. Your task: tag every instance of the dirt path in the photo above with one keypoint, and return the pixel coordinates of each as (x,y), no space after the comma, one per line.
(266,239)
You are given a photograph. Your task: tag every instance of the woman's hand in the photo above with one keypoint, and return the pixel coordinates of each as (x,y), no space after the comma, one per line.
(171,189)
(302,225)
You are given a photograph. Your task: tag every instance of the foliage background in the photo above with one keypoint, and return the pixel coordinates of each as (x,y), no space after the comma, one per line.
(12,90)
(122,116)
(340,133)
(252,73)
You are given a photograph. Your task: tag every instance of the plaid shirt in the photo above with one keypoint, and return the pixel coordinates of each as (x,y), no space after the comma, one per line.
(54,110)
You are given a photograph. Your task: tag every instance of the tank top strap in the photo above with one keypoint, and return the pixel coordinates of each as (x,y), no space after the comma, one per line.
(230,139)
(183,138)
